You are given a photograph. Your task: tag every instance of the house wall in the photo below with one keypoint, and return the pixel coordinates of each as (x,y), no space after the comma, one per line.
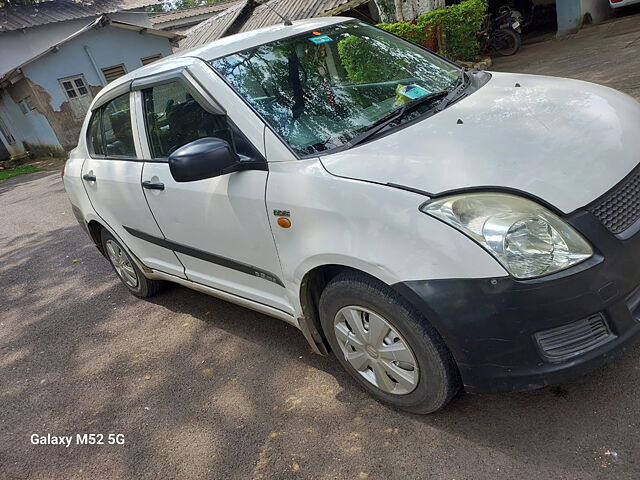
(572,13)
(29,130)
(109,46)
(598,10)
(21,45)
(412,9)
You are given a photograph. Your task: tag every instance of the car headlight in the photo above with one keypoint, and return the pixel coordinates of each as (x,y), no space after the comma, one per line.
(526,238)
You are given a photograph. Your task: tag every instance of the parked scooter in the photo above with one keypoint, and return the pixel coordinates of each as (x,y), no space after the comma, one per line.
(501,33)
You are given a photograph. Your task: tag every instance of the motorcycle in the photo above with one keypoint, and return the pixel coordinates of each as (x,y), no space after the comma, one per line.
(502,32)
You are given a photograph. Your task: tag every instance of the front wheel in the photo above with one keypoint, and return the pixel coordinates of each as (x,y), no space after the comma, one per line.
(127,270)
(386,345)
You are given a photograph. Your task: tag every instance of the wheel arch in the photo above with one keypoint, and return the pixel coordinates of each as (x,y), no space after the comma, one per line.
(95,230)
(314,282)
(312,285)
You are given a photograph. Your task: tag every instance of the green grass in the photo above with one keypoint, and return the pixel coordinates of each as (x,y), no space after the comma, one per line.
(19,170)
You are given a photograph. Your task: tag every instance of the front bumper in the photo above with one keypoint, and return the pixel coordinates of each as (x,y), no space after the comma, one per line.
(490,324)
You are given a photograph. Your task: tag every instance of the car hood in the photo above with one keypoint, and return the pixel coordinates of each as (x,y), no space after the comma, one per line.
(564,141)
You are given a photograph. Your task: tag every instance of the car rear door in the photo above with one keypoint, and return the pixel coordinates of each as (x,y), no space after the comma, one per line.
(112,178)
(218,227)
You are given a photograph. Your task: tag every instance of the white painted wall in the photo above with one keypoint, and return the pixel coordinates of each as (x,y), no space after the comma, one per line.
(598,9)
(405,10)
(109,46)
(571,13)
(32,128)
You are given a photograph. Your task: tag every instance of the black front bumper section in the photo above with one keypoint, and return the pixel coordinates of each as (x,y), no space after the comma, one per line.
(490,324)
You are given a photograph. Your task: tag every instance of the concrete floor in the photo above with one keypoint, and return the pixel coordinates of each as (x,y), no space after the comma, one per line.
(201,388)
(608,54)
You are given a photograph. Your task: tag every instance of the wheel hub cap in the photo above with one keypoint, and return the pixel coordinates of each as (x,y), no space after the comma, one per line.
(375,349)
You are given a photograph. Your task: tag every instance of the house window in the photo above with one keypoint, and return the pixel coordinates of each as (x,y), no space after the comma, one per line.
(75,86)
(26,105)
(150,59)
(111,73)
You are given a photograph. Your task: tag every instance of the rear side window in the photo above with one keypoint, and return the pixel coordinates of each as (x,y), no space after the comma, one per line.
(110,131)
(116,128)
(174,119)
(95,135)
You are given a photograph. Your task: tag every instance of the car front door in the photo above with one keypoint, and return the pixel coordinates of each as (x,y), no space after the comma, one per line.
(111,176)
(218,227)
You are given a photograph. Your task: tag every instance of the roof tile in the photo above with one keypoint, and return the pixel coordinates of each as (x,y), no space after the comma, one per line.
(217,7)
(19,17)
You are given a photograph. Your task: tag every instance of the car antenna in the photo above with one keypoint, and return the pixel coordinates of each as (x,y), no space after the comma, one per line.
(287,22)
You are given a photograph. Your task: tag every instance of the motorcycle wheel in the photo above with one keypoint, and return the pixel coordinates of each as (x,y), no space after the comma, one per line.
(507,41)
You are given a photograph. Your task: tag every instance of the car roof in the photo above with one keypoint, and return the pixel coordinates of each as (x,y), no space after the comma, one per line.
(220,48)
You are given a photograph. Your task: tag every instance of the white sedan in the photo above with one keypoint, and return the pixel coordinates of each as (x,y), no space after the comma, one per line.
(436,229)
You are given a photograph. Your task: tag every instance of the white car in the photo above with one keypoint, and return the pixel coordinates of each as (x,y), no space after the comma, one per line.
(437,229)
(622,3)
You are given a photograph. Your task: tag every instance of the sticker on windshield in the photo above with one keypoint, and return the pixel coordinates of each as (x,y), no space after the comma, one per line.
(319,39)
(414,91)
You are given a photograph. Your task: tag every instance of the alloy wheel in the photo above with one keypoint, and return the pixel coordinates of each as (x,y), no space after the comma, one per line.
(122,264)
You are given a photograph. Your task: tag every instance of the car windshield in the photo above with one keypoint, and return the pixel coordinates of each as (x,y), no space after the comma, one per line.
(321,89)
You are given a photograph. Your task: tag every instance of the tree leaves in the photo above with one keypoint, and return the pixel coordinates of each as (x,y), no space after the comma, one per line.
(458,25)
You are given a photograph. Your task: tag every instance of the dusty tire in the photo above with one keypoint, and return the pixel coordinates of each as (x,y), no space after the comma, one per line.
(438,380)
(512,39)
(126,268)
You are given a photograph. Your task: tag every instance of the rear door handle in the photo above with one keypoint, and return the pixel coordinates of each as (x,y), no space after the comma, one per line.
(152,186)
(89,177)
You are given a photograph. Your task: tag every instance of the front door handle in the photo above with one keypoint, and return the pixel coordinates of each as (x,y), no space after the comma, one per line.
(152,186)
(89,177)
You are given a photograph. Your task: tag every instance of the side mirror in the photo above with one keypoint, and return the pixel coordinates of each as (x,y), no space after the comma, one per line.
(204,158)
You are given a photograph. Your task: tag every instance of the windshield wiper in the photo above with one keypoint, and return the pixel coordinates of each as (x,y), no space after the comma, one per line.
(454,92)
(392,116)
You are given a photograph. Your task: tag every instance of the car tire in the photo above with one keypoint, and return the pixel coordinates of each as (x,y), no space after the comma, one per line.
(512,38)
(126,269)
(353,302)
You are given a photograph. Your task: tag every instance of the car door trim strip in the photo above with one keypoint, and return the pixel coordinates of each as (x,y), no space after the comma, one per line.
(206,256)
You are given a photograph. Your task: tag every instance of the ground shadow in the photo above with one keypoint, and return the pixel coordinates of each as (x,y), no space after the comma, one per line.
(204,388)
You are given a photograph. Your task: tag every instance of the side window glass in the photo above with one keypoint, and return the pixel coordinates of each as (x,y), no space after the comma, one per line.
(95,135)
(174,119)
(116,128)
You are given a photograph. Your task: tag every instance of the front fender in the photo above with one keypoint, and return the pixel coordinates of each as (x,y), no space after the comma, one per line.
(370,227)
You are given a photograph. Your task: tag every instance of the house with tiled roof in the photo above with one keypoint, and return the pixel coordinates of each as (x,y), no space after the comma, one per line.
(245,15)
(56,55)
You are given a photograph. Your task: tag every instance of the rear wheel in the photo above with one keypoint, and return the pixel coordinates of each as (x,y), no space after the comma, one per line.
(127,271)
(506,41)
(386,345)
